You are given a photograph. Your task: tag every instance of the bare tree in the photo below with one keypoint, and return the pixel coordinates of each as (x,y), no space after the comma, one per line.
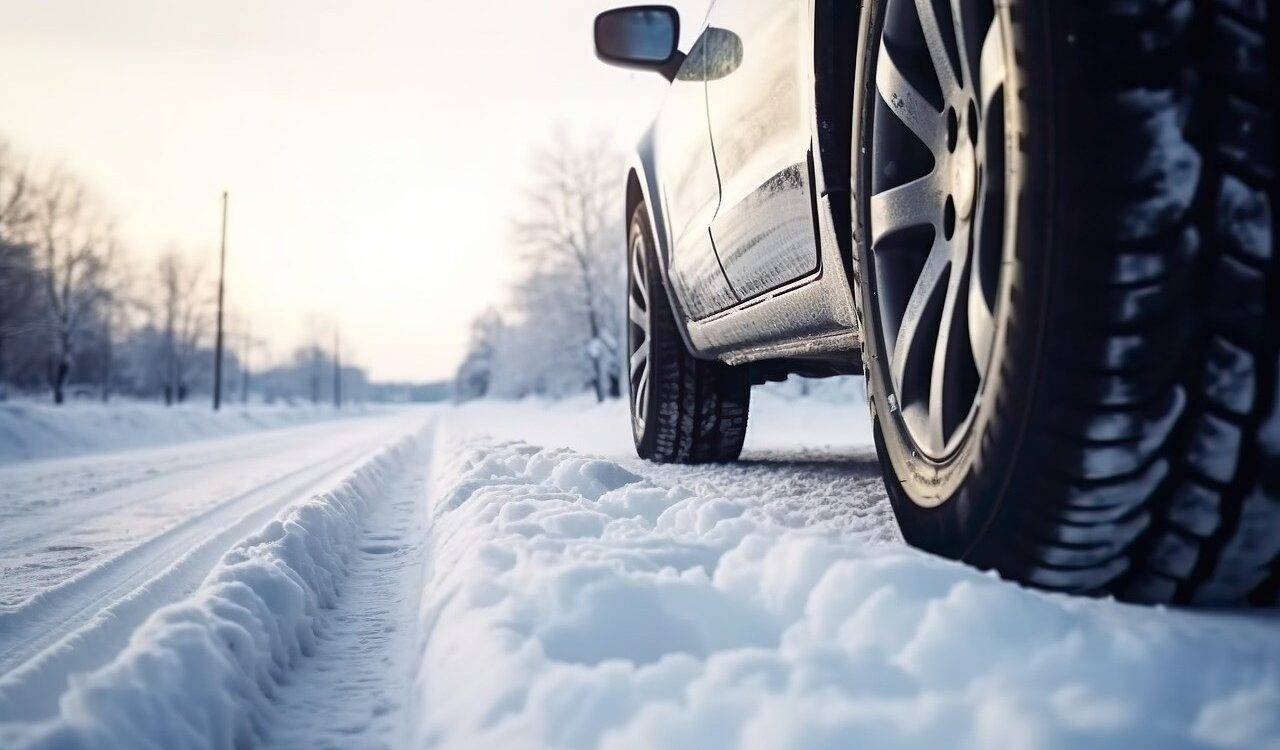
(475,375)
(18,282)
(313,352)
(69,304)
(118,305)
(17,206)
(243,344)
(18,273)
(182,321)
(568,237)
(75,246)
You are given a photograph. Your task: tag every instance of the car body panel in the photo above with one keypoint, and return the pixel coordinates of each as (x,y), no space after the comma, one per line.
(766,239)
(812,317)
(758,110)
(690,190)
(805,313)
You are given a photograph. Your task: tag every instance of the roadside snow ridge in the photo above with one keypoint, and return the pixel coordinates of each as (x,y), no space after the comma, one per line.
(203,672)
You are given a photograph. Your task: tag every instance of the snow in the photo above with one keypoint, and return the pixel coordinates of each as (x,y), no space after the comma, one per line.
(202,672)
(353,688)
(515,577)
(30,429)
(575,603)
(91,546)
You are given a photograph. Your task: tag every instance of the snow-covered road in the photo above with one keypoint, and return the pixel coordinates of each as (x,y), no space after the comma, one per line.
(91,546)
(510,575)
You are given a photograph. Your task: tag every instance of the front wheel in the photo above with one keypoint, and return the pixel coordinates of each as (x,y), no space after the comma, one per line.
(683,409)
(1068,281)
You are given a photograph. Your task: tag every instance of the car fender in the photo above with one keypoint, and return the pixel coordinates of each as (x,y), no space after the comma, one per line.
(642,189)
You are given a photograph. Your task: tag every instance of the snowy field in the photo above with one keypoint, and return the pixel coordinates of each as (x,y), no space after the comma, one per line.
(509,575)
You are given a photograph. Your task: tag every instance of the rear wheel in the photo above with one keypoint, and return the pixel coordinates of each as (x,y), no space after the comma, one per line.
(683,409)
(1070,291)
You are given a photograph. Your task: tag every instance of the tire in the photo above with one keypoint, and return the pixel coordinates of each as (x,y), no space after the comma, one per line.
(683,409)
(1123,434)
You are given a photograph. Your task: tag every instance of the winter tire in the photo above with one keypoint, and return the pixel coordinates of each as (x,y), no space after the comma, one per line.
(683,409)
(1068,280)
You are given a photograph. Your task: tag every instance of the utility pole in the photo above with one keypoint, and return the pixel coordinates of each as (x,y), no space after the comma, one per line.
(222,271)
(337,370)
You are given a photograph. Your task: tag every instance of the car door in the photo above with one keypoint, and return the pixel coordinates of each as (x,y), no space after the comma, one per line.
(690,190)
(758,100)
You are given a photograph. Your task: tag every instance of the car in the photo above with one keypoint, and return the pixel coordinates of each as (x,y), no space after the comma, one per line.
(1044,231)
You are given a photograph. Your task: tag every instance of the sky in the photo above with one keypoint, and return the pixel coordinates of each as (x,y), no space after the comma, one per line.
(373,151)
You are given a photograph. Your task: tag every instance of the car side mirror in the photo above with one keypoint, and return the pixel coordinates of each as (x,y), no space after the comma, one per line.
(640,36)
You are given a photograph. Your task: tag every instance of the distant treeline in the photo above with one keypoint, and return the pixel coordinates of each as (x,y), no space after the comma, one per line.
(81,317)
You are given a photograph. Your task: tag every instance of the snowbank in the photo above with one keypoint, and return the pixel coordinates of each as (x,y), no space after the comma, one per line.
(40,430)
(201,673)
(570,603)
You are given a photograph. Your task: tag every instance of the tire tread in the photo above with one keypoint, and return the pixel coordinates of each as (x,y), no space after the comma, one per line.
(698,412)
(1171,372)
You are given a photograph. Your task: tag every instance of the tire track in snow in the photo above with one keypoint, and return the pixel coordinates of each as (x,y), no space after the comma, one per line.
(204,671)
(350,692)
(84,622)
(63,516)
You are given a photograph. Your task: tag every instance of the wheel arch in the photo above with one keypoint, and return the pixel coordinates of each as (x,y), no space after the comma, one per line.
(642,189)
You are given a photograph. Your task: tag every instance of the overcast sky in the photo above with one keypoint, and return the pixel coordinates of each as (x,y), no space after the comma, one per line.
(373,150)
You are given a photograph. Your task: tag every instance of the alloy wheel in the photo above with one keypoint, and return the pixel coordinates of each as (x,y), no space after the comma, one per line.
(638,330)
(937,210)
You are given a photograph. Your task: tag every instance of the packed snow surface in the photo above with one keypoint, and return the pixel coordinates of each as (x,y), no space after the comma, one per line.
(514,577)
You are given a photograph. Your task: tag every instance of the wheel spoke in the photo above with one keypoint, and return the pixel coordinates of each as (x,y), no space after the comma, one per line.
(911,204)
(639,358)
(992,70)
(639,278)
(642,396)
(908,103)
(942,379)
(907,341)
(947,77)
(637,315)
(962,43)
